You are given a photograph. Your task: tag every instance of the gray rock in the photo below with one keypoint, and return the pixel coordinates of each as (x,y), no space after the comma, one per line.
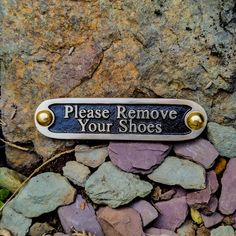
(15,222)
(39,229)
(186,229)
(176,171)
(111,186)
(42,194)
(223,138)
(76,172)
(223,231)
(212,220)
(91,156)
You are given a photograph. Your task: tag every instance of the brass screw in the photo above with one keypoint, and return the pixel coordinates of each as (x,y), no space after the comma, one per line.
(195,120)
(44,117)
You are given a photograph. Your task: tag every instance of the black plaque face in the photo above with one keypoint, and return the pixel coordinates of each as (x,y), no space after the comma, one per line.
(119,119)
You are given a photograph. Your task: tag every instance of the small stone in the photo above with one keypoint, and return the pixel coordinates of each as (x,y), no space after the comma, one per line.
(227,203)
(159,232)
(109,185)
(229,220)
(187,229)
(212,220)
(60,234)
(76,172)
(181,172)
(223,231)
(137,157)
(91,156)
(179,192)
(198,150)
(10,179)
(167,195)
(80,218)
(203,231)
(147,212)
(4,232)
(223,138)
(211,206)
(220,166)
(120,222)
(39,229)
(172,213)
(196,216)
(42,194)
(15,222)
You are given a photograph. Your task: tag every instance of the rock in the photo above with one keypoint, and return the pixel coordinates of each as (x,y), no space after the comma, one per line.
(138,157)
(211,206)
(39,229)
(196,216)
(227,203)
(189,174)
(120,222)
(212,220)
(179,192)
(147,212)
(81,216)
(223,231)
(4,232)
(42,194)
(203,231)
(10,179)
(198,150)
(60,234)
(111,186)
(91,156)
(167,195)
(223,138)
(172,213)
(14,222)
(159,232)
(220,166)
(76,172)
(187,229)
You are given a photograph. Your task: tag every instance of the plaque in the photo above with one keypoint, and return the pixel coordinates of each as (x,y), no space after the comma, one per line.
(120,119)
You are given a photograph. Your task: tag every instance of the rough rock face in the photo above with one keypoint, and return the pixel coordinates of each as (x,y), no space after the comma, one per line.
(179,49)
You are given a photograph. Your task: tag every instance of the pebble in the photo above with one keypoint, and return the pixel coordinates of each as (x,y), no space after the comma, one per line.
(220,166)
(76,172)
(137,157)
(147,212)
(227,203)
(4,232)
(172,213)
(159,232)
(109,185)
(223,138)
(196,216)
(176,171)
(10,179)
(186,229)
(43,193)
(91,156)
(198,150)
(39,229)
(211,206)
(212,220)
(81,216)
(120,222)
(223,231)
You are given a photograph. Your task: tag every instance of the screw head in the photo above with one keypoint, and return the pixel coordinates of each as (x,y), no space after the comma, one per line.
(195,120)
(44,117)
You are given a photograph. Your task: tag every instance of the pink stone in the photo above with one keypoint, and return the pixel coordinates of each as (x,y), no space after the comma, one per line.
(159,232)
(199,150)
(212,220)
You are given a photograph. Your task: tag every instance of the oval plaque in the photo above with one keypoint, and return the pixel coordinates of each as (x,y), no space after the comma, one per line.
(120,119)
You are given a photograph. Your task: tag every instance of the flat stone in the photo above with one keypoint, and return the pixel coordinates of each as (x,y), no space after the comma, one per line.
(223,138)
(10,179)
(172,213)
(39,229)
(138,157)
(198,150)
(43,193)
(186,229)
(212,220)
(223,231)
(147,212)
(81,216)
(211,206)
(91,156)
(120,222)
(227,203)
(176,171)
(76,172)
(109,185)
(14,222)
(159,232)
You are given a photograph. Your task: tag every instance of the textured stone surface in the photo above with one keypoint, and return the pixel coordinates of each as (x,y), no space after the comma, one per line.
(42,194)
(111,186)
(138,157)
(81,216)
(212,220)
(92,157)
(120,222)
(172,213)
(223,138)
(76,172)
(223,231)
(181,172)
(227,203)
(39,229)
(199,150)
(187,229)
(159,232)
(147,212)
